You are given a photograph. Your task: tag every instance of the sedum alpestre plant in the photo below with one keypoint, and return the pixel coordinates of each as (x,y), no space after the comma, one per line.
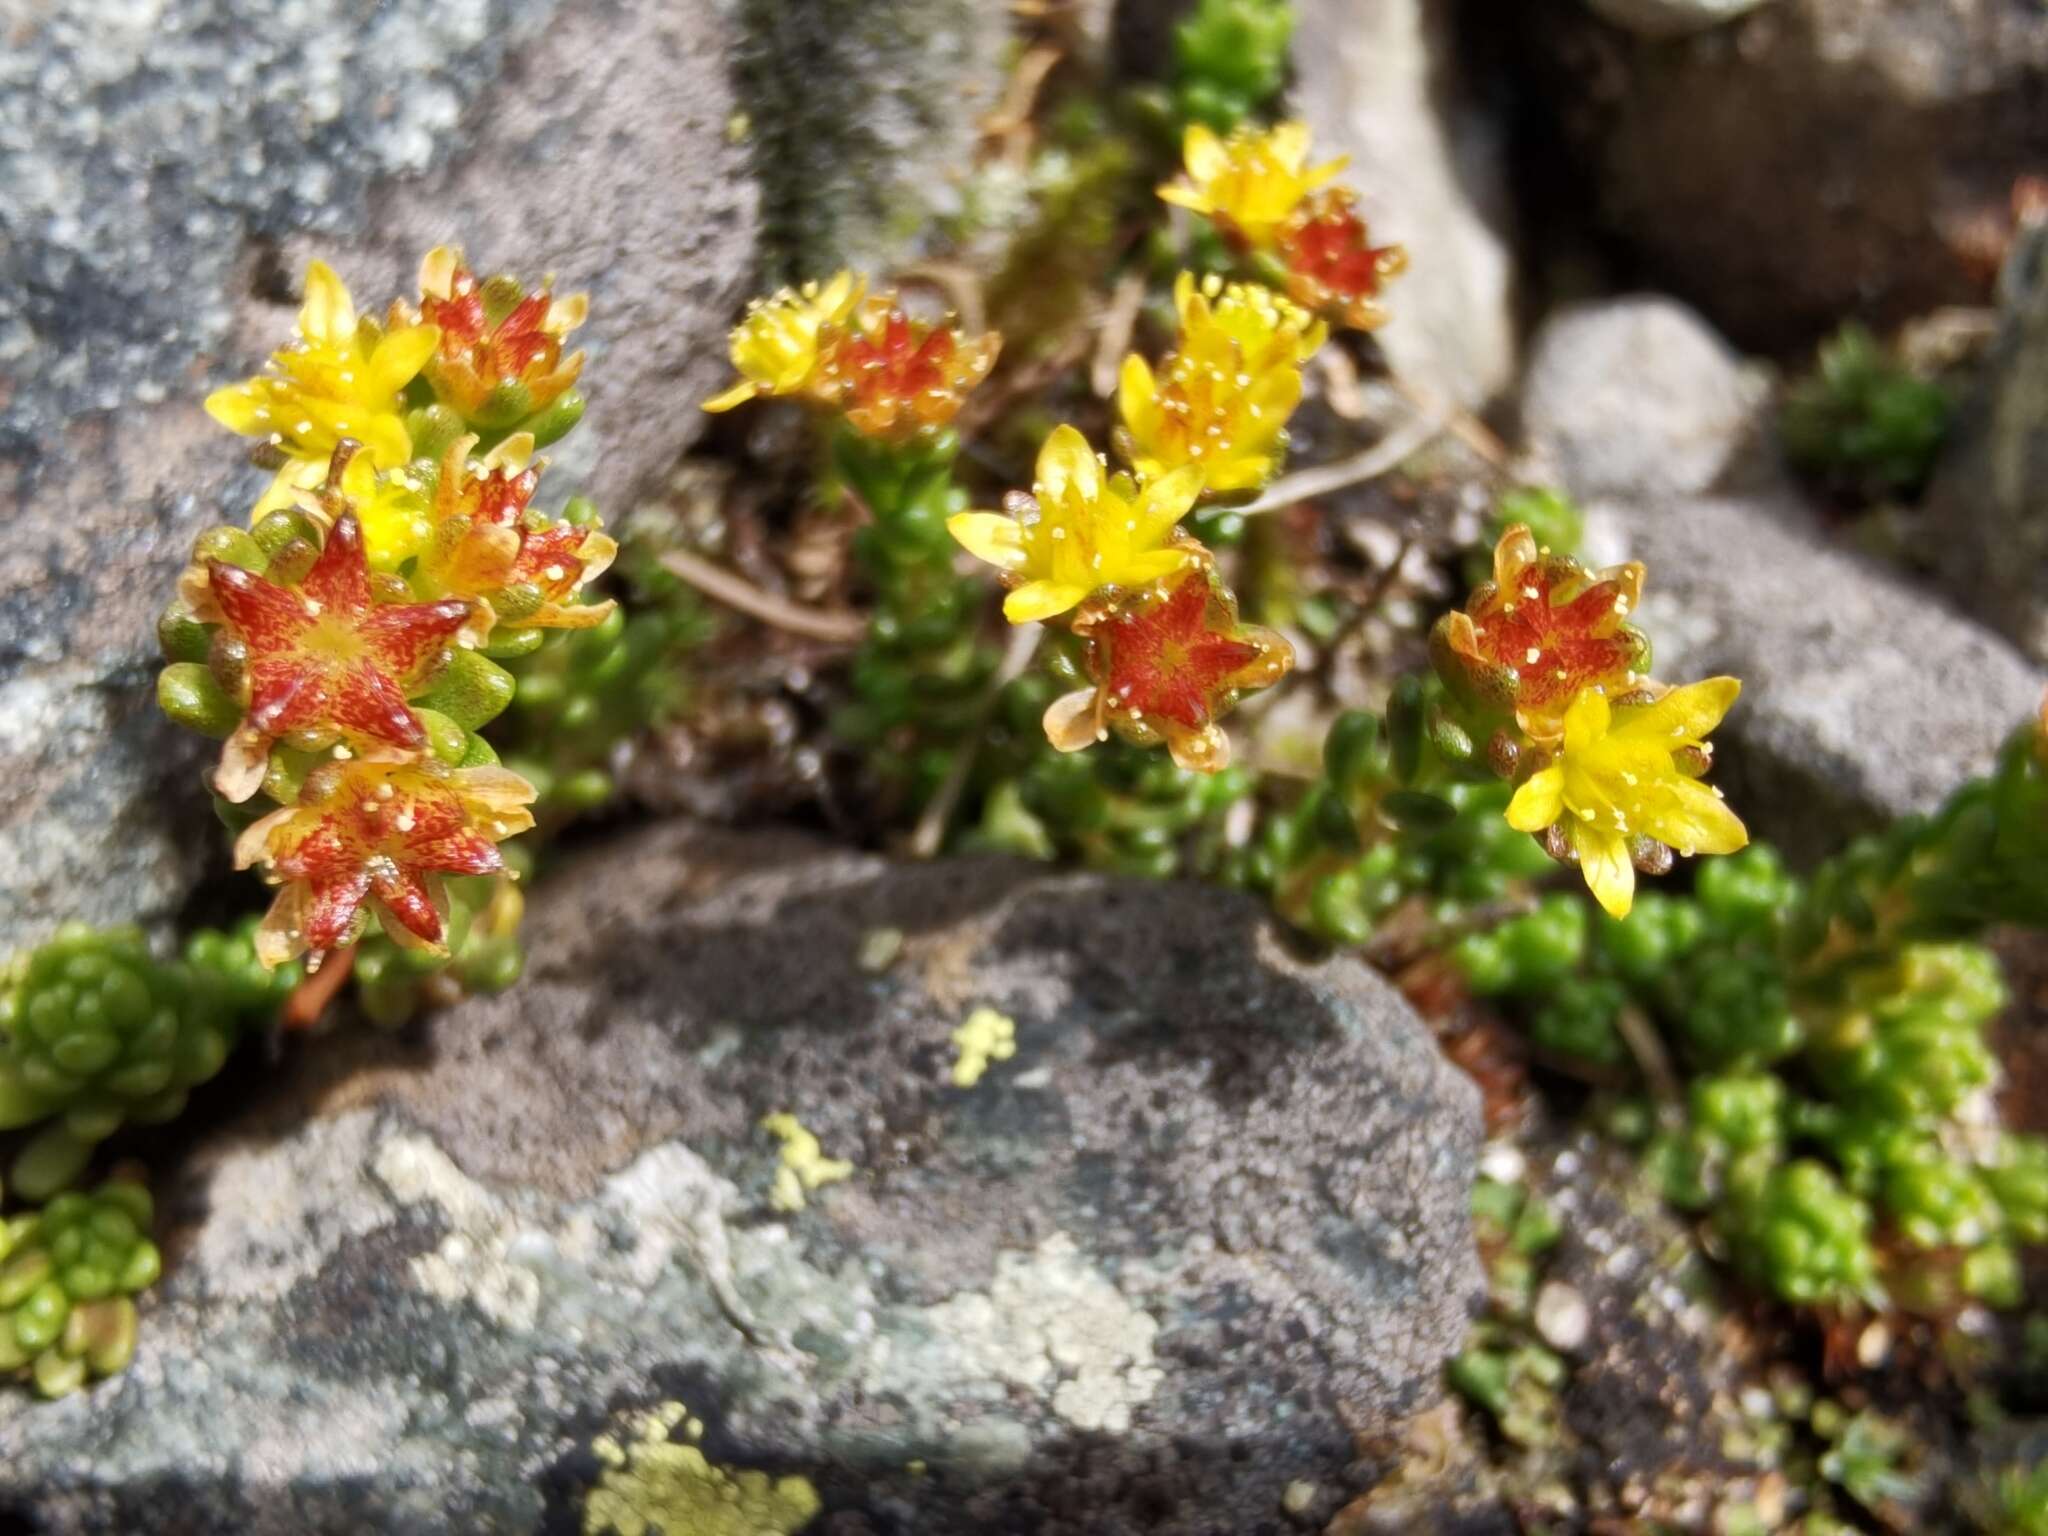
(348,647)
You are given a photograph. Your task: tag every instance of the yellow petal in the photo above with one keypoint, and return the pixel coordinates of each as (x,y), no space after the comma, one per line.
(566,313)
(292,477)
(1041,600)
(1203,751)
(1070,721)
(385,440)
(235,406)
(1696,821)
(1066,463)
(739,394)
(437,271)
(1137,397)
(989,536)
(281,934)
(1515,553)
(1683,714)
(1187,299)
(1603,859)
(1166,501)
(328,313)
(514,453)
(1137,570)
(597,554)
(1327,171)
(1182,197)
(1586,720)
(1539,802)
(1288,143)
(253,846)
(1204,154)
(401,355)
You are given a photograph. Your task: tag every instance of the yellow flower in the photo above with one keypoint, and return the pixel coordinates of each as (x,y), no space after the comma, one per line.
(1250,183)
(339,378)
(777,346)
(1080,530)
(1222,399)
(1629,771)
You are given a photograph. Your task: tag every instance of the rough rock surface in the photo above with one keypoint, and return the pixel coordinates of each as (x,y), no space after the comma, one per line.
(1689,407)
(864,118)
(163,175)
(1381,83)
(1812,159)
(1863,697)
(1671,18)
(1204,1225)
(1987,510)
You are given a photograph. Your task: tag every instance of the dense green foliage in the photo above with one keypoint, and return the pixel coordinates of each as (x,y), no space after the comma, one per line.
(1862,422)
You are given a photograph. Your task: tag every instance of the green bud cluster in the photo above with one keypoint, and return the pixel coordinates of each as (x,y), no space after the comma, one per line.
(587,691)
(1862,422)
(1797,1231)
(1387,821)
(920,674)
(1981,859)
(1230,59)
(1832,1098)
(96,1032)
(67,1276)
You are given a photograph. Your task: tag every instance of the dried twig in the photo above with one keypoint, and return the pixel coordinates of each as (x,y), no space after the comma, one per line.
(1386,454)
(930,832)
(736,592)
(1462,424)
(1647,1047)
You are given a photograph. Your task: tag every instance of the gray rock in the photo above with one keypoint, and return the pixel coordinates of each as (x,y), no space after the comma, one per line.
(1863,697)
(1672,18)
(864,118)
(1987,510)
(593,144)
(1205,1225)
(1635,395)
(1382,83)
(1812,159)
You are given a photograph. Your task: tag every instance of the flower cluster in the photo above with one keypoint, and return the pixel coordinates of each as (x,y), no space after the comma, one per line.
(1220,400)
(1258,189)
(1608,761)
(864,356)
(338,647)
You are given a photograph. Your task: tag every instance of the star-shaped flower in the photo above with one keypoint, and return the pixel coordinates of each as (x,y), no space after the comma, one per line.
(1080,530)
(1249,184)
(500,354)
(382,834)
(1625,773)
(1167,665)
(339,378)
(322,660)
(777,347)
(515,566)
(1221,400)
(1333,267)
(894,376)
(1540,633)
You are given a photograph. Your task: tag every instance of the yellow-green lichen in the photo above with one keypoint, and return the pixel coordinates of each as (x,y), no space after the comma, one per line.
(656,1483)
(986,1036)
(804,1166)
